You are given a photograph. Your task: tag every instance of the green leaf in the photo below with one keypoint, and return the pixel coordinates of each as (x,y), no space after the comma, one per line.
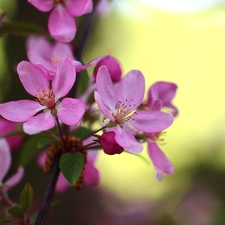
(43,142)
(30,148)
(4,221)
(26,198)
(34,218)
(16,212)
(83,81)
(71,165)
(83,132)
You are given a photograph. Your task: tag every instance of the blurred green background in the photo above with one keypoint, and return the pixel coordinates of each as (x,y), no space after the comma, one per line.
(187,48)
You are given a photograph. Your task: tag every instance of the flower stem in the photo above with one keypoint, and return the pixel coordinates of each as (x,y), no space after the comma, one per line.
(102,128)
(23,29)
(5,199)
(42,215)
(43,212)
(61,135)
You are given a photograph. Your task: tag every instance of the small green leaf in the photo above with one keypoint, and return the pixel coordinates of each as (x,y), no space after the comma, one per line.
(34,218)
(71,165)
(4,221)
(16,212)
(26,198)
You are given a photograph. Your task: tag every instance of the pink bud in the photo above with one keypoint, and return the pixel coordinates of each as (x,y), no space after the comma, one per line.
(113,67)
(109,144)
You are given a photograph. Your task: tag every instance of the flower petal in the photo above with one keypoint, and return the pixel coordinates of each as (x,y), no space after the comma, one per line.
(61,50)
(151,121)
(105,88)
(20,111)
(62,184)
(78,7)
(80,67)
(42,5)
(5,158)
(127,140)
(70,111)
(165,92)
(160,161)
(131,89)
(61,25)
(6,127)
(43,64)
(14,179)
(41,122)
(102,107)
(39,45)
(33,78)
(157,105)
(64,78)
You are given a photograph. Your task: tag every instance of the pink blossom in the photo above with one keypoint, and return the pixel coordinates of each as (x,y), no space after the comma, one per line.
(160,95)
(91,174)
(109,144)
(61,23)
(5,162)
(48,95)
(119,104)
(46,56)
(6,127)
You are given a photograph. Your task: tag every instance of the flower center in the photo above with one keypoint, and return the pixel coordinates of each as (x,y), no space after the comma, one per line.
(124,112)
(62,2)
(156,137)
(45,99)
(55,59)
(59,1)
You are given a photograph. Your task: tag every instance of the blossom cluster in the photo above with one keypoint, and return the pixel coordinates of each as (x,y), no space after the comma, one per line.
(127,117)
(112,102)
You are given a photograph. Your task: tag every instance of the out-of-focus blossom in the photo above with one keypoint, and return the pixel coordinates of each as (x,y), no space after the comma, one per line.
(61,22)
(109,144)
(103,7)
(5,163)
(119,104)
(160,95)
(35,81)
(113,67)
(6,127)
(46,56)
